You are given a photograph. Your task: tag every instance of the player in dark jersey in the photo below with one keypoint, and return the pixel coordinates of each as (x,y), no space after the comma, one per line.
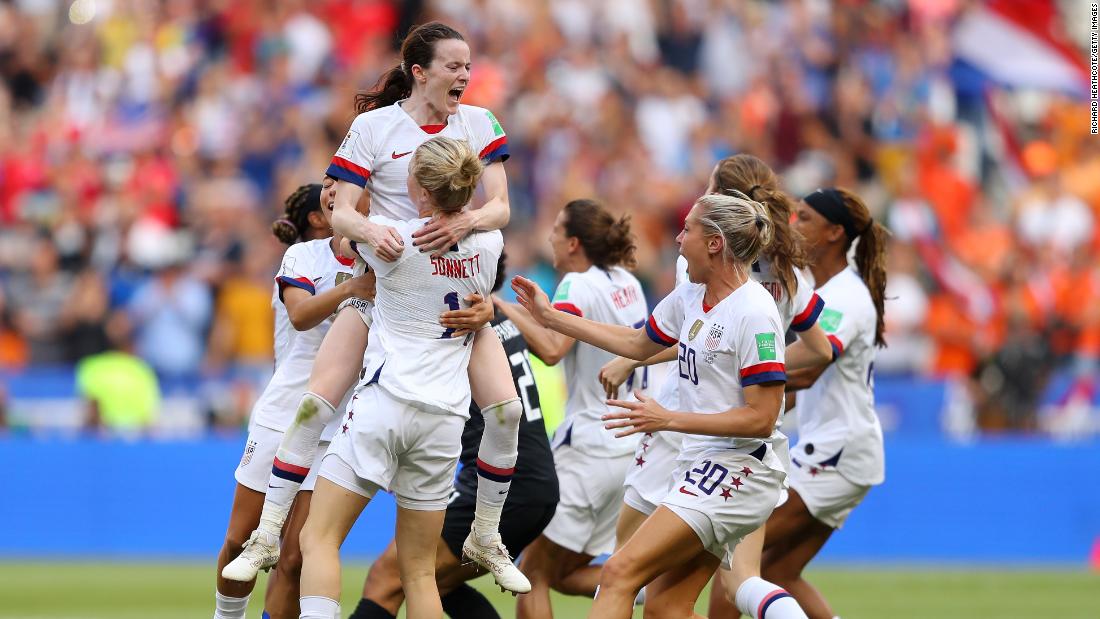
(529,508)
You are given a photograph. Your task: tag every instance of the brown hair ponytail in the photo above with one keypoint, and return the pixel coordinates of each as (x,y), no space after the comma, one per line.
(870,256)
(607,241)
(293,225)
(752,177)
(418,48)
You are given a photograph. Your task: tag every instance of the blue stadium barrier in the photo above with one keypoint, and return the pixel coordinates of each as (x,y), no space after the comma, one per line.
(1005,501)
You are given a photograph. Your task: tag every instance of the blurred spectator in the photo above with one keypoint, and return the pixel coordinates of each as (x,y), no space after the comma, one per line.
(243,330)
(37,299)
(120,389)
(189,119)
(170,316)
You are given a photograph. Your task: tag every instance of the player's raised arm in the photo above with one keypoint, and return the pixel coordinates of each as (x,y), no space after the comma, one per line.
(617,339)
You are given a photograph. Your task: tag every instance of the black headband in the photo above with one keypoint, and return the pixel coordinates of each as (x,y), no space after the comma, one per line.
(830,203)
(313,199)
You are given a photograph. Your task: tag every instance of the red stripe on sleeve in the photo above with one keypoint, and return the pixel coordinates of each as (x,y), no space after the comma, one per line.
(351,167)
(493,146)
(760,368)
(569,308)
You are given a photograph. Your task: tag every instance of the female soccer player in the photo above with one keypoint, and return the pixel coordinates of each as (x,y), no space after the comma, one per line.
(531,502)
(418,99)
(839,453)
(778,270)
(403,432)
(730,342)
(312,281)
(593,250)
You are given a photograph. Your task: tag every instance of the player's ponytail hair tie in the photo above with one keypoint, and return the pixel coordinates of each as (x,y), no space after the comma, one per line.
(759,222)
(403,69)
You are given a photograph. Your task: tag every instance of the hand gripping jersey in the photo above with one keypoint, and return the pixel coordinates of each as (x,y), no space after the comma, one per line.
(313,267)
(410,355)
(535,481)
(376,151)
(837,425)
(613,296)
(722,349)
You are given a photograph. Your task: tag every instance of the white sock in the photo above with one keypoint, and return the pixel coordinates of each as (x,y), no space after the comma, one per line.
(293,460)
(317,607)
(761,599)
(496,462)
(226,607)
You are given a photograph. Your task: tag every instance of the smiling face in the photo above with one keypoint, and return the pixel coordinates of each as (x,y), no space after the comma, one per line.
(443,82)
(328,198)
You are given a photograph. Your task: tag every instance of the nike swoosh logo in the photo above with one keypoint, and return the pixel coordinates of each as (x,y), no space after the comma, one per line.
(687,492)
(275,487)
(396,156)
(502,492)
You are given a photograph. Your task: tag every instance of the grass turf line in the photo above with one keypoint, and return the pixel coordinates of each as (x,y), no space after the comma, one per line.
(123,590)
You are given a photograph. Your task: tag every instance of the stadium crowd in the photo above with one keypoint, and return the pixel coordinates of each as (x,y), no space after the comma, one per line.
(143,156)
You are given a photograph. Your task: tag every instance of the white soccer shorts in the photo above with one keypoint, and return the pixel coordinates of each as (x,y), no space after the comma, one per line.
(724,495)
(651,473)
(254,471)
(828,495)
(398,447)
(591,492)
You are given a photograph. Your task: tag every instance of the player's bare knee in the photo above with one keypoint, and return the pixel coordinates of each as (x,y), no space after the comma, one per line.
(618,573)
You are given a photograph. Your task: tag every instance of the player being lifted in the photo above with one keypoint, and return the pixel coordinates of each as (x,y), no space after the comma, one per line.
(418,99)
(531,501)
(839,454)
(403,432)
(312,281)
(593,250)
(729,338)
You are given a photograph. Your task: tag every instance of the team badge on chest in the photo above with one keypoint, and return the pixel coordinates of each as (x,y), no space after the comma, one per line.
(714,338)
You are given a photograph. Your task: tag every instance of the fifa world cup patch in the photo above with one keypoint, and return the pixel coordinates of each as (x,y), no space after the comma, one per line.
(830,320)
(342,277)
(497,129)
(563,291)
(765,346)
(349,141)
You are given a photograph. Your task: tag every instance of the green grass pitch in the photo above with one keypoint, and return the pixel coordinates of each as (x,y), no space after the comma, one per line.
(121,590)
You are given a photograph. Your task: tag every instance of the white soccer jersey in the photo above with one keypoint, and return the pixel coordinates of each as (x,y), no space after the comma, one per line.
(410,356)
(837,425)
(798,314)
(313,267)
(722,350)
(613,296)
(376,151)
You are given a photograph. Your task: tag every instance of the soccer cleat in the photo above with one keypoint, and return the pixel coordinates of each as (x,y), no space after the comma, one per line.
(261,552)
(494,557)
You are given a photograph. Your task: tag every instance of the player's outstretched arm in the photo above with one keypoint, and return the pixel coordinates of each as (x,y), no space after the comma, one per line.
(756,419)
(616,339)
(549,346)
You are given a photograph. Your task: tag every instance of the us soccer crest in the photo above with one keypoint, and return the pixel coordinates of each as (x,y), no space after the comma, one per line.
(695,329)
(714,338)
